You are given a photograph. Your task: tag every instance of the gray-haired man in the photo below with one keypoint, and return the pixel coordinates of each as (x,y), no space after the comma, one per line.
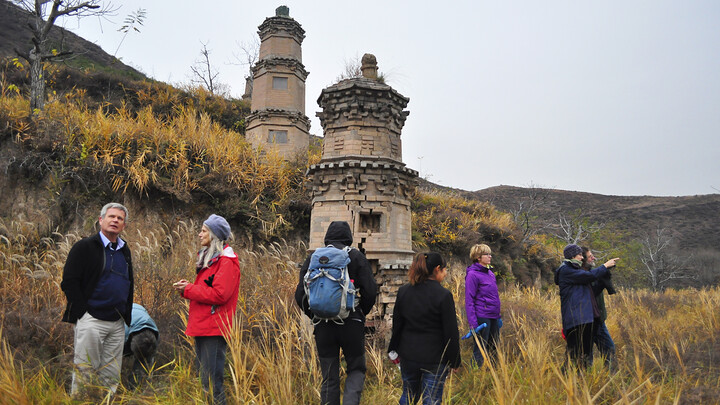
(98,284)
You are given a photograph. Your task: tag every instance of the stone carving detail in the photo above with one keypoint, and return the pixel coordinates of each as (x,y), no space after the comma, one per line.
(290,65)
(275,25)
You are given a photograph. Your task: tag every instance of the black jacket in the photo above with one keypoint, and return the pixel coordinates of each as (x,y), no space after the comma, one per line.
(425,328)
(83,267)
(340,235)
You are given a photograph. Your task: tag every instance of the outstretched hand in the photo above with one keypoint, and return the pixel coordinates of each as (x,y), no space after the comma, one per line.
(611,262)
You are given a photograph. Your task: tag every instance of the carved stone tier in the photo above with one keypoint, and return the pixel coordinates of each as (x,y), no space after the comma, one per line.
(352,99)
(284,26)
(280,65)
(374,196)
(295,125)
(362,117)
(294,118)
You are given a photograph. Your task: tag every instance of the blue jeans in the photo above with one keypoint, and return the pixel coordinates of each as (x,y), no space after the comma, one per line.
(489,337)
(604,342)
(210,352)
(421,380)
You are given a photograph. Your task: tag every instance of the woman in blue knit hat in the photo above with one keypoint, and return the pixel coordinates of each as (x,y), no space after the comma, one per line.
(577,303)
(213,300)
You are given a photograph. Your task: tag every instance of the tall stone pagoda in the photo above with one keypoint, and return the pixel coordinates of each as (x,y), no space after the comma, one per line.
(277,120)
(361,178)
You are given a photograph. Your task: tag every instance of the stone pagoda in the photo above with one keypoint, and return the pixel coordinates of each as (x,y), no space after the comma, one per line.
(277,120)
(361,178)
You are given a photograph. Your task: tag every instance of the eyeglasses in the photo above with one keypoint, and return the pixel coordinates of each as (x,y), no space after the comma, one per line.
(487,254)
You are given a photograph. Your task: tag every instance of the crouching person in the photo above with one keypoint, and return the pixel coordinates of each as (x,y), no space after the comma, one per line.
(141,342)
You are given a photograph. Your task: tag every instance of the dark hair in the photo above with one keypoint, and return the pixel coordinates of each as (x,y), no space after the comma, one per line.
(585,264)
(423,266)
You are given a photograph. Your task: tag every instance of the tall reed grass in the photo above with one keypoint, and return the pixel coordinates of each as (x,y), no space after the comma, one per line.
(666,342)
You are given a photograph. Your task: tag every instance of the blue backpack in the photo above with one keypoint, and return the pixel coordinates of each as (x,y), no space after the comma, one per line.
(330,291)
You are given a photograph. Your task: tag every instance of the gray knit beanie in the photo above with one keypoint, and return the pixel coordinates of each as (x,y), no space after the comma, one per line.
(571,251)
(219,226)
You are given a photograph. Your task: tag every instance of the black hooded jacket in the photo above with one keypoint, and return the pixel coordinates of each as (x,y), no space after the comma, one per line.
(340,235)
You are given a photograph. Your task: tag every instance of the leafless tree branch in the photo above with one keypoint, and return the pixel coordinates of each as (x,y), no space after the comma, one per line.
(203,72)
(661,265)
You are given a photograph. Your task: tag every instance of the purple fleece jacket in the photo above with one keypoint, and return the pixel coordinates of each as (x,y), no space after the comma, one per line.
(482,299)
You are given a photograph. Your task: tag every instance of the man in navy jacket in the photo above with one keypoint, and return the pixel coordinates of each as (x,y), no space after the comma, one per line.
(98,284)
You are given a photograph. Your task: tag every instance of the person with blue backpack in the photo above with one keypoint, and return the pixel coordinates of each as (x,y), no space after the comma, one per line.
(337,290)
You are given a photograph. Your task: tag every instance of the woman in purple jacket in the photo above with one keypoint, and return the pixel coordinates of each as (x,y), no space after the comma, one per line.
(482,300)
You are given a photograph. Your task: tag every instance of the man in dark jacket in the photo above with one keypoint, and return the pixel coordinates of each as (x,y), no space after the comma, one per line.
(601,337)
(98,284)
(349,336)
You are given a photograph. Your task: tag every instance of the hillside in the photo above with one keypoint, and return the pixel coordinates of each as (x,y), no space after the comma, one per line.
(173,154)
(693,220)
(16,35)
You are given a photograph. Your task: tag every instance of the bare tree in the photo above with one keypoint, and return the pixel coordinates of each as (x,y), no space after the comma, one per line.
(203,72)
(44,15)
(525,213)
(247,55)
(661,264)
(576,228)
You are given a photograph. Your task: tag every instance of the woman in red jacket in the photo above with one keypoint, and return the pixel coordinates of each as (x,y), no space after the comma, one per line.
(213,300)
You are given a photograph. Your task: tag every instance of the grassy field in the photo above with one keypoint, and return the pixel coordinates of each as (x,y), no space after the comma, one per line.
(668,350)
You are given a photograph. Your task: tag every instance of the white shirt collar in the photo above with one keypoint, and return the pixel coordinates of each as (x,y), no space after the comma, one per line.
(106,241)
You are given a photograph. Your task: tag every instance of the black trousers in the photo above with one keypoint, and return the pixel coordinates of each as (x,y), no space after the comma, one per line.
(329,339)
(580,344)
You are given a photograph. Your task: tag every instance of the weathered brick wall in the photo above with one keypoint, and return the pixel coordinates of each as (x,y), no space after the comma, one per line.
(361,179)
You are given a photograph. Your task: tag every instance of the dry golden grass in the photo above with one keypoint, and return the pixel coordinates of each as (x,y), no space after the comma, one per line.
(666,342)
(182,154)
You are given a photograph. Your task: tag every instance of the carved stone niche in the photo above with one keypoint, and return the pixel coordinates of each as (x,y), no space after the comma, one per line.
(371,222)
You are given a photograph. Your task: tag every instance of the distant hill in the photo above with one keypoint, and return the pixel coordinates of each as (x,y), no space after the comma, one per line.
(694,221)
(14,34)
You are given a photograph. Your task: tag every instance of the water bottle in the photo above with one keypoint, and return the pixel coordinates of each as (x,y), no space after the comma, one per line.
(394,358)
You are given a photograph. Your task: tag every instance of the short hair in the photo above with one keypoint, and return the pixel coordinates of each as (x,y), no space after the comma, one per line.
(479,250)
(118,206)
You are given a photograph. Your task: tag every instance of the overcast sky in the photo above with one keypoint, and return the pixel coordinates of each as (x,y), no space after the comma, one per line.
(610,97)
